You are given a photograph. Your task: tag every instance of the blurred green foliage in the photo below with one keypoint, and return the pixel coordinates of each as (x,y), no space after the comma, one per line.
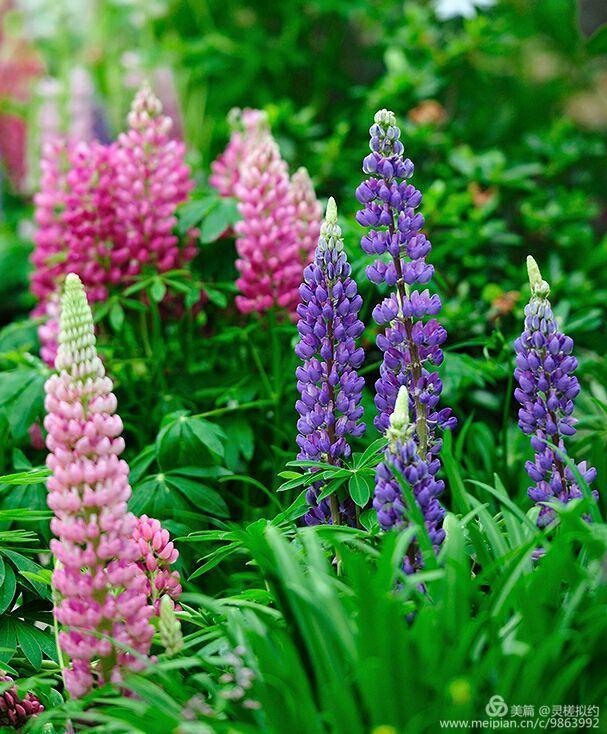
(503,114)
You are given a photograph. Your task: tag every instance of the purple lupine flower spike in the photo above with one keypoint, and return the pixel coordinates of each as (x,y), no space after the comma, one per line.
(409,344)
(402,453)
(547,390)
(329,386)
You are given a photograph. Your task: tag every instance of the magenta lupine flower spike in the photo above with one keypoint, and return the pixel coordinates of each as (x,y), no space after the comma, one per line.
(101,592)
(15,711)
(151,180)
(50,244)
(156,555)
(328,382)
(75,218)
(402,454)
(269,261)
(409,345)
(547,390)
(247,125)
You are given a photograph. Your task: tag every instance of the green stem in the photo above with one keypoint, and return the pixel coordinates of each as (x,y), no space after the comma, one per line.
(145,334)
(56,635)
(261,369)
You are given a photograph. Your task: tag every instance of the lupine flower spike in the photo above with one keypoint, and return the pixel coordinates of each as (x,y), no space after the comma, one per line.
(247,126)
(402,454)
(152,179)
(105,211)
(100,589)
(14,711)
(409,345)
(76,217)
(156,554)
(547,389)
(328,382)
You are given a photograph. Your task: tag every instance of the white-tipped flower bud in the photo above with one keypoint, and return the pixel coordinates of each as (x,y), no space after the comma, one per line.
(539,287)
(399,420)
(169,626)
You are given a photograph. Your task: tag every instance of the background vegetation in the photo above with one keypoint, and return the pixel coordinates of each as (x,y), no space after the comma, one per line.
(504,112)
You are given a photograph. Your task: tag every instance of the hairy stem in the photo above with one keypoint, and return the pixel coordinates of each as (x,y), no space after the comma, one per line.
(421,419)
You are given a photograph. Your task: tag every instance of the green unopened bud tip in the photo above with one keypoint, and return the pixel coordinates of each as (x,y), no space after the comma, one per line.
(72,279)
(385,117)
(539,287)
(400,415)
(331,213)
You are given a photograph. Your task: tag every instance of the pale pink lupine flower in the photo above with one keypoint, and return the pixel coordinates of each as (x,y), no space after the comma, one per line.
(266,242)
(156,555)
(278,232)
(151,180)
(281,218)
(247,127)
(101,600)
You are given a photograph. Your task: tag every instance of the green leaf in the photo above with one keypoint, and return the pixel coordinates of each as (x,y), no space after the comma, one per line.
(141,463)
(117,317)
(21,398)
(359,487)
(289,475)
(370,454)
(8,639)
(205,499)
(219,218)
(158,290)
(368,519)
(22,563)
(209,434)
(192,213)
(217,297)
(241,443)
(8,588)
(35,476)
(155,497)
(189,440)
(29,644)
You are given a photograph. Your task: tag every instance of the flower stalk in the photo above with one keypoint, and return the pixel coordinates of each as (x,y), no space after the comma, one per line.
(547,388)
(328,382)
(409,344)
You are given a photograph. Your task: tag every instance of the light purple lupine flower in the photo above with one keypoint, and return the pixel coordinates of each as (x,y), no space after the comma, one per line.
(329,386)
(409,344)
(547,389)
(402,455)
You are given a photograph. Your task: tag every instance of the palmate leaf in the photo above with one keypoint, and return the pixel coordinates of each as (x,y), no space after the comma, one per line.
(166,493)
(187,441)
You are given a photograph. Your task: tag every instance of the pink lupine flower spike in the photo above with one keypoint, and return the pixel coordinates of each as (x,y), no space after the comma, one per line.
(101,591)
